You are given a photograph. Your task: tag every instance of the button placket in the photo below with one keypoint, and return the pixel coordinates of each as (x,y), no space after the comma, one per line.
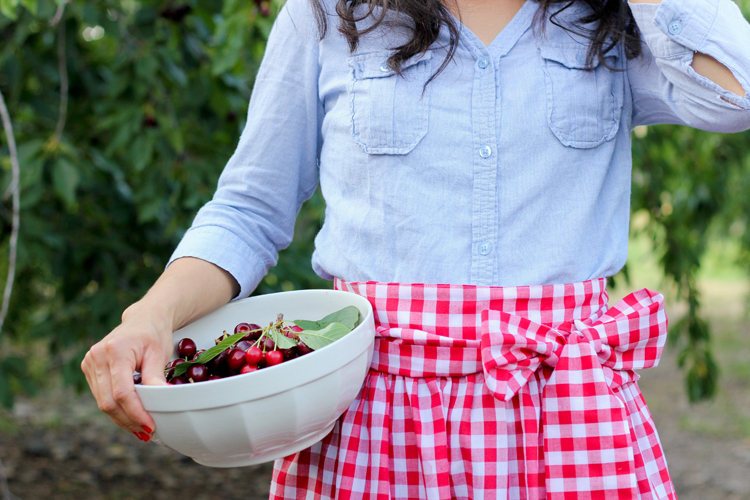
(484,210)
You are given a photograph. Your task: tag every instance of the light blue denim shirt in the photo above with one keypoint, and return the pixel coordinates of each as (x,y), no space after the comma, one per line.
(511,168)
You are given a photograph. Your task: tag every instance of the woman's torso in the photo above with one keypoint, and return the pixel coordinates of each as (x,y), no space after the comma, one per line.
(513,167)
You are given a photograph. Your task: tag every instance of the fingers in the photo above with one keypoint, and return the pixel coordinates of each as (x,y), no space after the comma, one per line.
(96,368)
(123,358)
(152,368)
(109,367)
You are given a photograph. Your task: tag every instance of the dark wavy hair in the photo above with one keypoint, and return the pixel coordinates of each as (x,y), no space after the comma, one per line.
(610,22)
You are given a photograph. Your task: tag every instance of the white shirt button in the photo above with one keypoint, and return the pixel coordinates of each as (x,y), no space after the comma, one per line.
(483,63)
(384,68)
(485,152)
(675,27)
(485,248)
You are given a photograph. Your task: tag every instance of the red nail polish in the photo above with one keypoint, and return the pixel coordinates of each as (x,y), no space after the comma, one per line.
(147,429)
(136,434)
(145,437)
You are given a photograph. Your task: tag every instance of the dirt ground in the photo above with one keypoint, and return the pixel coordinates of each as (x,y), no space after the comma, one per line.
(58,446)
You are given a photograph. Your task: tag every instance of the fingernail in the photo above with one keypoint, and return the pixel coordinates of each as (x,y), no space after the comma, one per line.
(147,429)
(145,437)
(138,435)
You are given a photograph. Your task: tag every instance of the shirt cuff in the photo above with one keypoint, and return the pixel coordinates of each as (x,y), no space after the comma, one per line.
(223,248)
(675,28)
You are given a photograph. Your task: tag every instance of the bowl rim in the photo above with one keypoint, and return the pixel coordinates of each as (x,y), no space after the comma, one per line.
(273,379)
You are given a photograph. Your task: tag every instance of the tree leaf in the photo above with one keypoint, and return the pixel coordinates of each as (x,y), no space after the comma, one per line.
(30,5)
(315,339)
(65,178)
(281,340)
(8,8)
(348,316)
(174,72)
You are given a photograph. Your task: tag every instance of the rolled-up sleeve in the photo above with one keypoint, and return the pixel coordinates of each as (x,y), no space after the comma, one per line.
(666,89)
(274,168)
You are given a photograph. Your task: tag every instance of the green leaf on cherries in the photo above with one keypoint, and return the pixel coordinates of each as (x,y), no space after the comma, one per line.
(315,339)
(281,340)
(209,354)
(348,316)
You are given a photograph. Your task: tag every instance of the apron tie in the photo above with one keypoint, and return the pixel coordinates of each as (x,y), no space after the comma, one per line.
(587,438)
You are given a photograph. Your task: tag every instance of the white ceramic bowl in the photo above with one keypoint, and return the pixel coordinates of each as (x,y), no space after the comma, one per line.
(274,412)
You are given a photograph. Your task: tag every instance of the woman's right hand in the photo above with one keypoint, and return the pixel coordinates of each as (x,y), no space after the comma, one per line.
(187,290)
(142,342)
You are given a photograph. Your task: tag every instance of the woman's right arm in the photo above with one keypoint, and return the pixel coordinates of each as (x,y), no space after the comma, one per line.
(187,290)
(235,237)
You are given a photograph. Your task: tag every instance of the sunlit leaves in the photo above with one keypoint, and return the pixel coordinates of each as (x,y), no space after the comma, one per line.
(8,8)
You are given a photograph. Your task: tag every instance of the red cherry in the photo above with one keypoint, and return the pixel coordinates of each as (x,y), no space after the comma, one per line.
(249,369)
(197,354)
(288,354)
(236,359)
(242,328)
(170,367)
(243,345)
(303,348)
(186,348)
(214,377)
(197,373)
(290,332)
(253,355)
(262,363)
(149,121)
(269,344)
(218,365)
(255,332)
(175,362)
(179,380)
(274,358)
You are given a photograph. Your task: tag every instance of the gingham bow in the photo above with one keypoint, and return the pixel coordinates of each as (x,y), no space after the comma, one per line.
(587,443)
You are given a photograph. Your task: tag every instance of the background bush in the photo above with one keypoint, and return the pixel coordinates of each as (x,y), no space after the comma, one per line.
(125,113)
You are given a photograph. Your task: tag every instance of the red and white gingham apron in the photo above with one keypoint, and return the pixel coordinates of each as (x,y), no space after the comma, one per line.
(514,393)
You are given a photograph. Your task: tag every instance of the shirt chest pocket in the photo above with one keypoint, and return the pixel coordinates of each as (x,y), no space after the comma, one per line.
(389,112)
(584,106)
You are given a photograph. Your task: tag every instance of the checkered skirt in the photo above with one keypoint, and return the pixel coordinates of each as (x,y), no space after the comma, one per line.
(516,393)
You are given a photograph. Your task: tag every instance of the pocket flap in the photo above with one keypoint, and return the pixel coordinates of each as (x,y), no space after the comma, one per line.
(375,65)
(573,55)
(569,55)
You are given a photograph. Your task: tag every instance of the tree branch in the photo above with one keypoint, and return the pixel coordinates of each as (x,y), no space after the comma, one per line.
(16,208)
(4,484)
(63,82)
(58,14)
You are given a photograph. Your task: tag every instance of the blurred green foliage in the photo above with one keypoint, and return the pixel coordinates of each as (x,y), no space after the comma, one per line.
(158,94)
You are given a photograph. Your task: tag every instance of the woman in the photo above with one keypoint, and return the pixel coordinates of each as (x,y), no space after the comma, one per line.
(477,180)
